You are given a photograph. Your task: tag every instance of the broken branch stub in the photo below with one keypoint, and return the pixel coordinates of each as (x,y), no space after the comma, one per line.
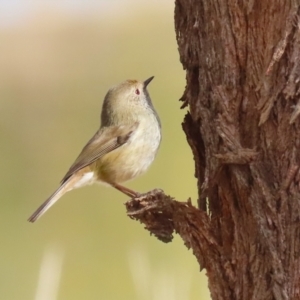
(162,216)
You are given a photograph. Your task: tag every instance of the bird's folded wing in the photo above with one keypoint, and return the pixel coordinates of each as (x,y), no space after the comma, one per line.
(104,141)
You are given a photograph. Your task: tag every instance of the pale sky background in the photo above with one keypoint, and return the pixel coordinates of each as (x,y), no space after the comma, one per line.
(14,12)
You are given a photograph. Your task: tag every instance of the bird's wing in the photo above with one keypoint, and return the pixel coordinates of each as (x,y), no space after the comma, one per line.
(104,141)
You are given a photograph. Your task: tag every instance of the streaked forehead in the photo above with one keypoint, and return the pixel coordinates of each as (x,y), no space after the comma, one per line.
(123,85)
(131,81)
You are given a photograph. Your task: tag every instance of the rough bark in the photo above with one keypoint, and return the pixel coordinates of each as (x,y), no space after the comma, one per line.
(242,62)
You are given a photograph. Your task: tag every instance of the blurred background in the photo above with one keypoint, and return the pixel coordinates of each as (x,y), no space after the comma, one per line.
(57,61)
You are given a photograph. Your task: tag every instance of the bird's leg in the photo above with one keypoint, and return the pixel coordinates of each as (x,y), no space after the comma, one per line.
(126,190)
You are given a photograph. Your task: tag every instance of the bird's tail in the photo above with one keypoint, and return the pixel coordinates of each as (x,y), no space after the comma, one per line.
(65,187)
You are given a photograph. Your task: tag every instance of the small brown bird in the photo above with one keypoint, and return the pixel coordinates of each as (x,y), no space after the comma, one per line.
(123,147)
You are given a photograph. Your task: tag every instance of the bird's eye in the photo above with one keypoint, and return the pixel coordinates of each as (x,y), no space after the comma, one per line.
(137,91)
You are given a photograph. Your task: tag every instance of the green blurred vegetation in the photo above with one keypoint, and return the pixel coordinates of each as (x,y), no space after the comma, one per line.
(55,71)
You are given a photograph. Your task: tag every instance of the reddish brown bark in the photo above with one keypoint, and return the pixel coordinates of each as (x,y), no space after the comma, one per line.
(242,62)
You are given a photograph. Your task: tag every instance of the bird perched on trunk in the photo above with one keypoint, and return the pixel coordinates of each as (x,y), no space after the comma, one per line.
(123,147)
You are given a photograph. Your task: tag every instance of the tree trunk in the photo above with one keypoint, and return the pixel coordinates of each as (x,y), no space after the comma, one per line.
(242,62)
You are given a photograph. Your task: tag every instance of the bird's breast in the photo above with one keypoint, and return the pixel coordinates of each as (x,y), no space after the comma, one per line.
(134,157)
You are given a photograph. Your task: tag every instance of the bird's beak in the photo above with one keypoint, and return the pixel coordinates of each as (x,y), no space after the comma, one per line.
(147,81)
